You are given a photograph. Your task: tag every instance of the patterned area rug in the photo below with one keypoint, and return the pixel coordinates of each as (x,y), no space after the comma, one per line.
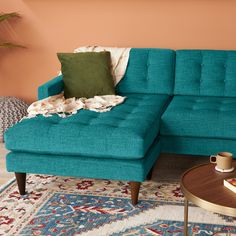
(70,206)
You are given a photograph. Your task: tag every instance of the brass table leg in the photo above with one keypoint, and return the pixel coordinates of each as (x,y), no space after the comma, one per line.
(185,217)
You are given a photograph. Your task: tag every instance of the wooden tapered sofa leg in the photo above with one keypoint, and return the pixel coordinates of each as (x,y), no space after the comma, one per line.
(21,182)
(135,186)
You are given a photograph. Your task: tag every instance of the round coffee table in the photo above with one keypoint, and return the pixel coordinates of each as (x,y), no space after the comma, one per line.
(203,186)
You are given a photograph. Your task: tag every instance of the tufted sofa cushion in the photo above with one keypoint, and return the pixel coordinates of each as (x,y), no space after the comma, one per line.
(205,73)
(149,70)
(204,117)
(126,132)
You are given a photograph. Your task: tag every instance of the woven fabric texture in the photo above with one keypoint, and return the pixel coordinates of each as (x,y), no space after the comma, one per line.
(206,117)
(205,73)
(126,132)
(87,74)
(196,146)
(12,110)
(149,71)
(79,166)
(52,87)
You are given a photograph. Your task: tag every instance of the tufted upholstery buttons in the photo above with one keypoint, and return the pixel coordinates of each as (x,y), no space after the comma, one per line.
(213,70)
(185,117)
(150,71)
(127,130)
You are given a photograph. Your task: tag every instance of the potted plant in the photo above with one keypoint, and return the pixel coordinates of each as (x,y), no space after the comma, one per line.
(11,109)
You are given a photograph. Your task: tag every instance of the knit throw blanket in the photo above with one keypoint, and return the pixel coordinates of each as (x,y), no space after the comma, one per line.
(65,107)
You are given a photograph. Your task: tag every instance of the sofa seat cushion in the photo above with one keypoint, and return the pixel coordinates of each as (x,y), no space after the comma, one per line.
(126,132)
(208,117)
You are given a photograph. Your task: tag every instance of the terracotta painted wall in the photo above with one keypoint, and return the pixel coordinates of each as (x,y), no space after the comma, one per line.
(49,26)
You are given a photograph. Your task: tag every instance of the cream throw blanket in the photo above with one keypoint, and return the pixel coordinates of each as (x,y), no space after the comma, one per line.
(64,107)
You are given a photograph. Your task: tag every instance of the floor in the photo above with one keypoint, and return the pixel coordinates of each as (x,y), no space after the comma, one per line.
(172,166)
(167,167)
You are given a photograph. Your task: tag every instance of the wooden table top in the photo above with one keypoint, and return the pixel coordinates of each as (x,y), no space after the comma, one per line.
(203,186)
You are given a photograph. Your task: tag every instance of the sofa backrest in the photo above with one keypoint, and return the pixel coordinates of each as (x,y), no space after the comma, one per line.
(149,70)
(205,73)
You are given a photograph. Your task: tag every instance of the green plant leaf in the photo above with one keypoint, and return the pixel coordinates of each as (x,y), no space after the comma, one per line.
(11,45)
(7,16)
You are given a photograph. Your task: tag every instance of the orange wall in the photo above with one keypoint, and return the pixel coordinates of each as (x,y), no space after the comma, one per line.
(49,26)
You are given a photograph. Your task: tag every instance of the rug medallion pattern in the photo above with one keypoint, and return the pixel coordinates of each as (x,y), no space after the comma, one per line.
(73,206)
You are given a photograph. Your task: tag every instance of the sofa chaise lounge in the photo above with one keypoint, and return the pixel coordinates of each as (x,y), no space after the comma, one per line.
(180,102)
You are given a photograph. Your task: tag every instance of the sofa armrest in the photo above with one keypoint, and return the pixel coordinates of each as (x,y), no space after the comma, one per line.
(52,87)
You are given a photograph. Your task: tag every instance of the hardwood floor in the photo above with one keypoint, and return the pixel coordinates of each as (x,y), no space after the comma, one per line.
(4,175)
(168,166)
(172,166)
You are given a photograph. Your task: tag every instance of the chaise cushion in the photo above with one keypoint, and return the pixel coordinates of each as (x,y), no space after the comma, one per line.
(207,117)
(126,132)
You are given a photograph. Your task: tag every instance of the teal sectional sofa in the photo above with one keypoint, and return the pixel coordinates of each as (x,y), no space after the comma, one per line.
(177,102)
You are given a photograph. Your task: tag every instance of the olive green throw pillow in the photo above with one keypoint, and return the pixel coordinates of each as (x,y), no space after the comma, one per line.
(86,74)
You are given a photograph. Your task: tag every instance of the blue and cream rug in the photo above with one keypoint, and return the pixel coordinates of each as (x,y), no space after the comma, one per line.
(70,206)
